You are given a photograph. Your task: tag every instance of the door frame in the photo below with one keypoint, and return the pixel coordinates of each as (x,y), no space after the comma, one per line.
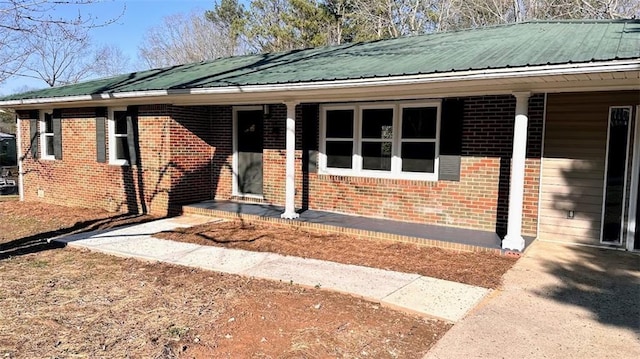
(234,163)
(625,176)
(633,194)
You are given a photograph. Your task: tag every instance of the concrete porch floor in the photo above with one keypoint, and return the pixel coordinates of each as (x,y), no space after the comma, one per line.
(438,236)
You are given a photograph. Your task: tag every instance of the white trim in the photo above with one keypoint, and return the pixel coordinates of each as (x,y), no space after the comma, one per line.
(454,76)
(356,169)
(544,135)
(234,161)
(111,130)
(633,195)
(43,135)
(20,158)
(624,184)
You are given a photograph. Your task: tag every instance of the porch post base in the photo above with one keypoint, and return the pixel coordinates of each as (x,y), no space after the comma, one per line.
(290,215)
(514,243)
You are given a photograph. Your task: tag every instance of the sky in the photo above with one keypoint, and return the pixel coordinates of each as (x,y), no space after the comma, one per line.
(127,32)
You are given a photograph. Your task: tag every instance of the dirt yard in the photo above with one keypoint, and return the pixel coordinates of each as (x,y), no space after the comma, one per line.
(480,269)
(64,303)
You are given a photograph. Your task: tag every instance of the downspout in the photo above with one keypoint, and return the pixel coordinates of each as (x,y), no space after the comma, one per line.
(20,158)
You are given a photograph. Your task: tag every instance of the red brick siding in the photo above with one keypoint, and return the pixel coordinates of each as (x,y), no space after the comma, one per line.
(191,154)
(222,134)
(479,200)
(186,156)
(79,180)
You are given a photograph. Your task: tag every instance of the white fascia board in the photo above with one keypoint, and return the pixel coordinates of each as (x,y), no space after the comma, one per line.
(455,76)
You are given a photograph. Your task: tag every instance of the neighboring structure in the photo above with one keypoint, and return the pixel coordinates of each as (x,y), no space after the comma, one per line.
(8,155)
(524,129)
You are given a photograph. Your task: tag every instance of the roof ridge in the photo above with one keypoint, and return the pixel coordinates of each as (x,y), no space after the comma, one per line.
(581,21)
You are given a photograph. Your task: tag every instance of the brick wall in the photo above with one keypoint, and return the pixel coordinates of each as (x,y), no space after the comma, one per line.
(192,140)
(479,200)
(78,179)
(186,156)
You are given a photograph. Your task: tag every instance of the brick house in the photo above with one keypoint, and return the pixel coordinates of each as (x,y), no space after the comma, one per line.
(526,129)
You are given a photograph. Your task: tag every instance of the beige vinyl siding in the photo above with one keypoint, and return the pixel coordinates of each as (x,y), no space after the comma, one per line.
(574,163)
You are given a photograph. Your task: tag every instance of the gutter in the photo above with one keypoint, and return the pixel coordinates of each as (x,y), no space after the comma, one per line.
(453,76)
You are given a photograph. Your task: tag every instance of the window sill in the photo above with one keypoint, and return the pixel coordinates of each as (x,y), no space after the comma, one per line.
(413,176)
(47,158)
(121,163)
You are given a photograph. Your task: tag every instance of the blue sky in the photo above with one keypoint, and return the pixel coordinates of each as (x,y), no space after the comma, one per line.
(127,32)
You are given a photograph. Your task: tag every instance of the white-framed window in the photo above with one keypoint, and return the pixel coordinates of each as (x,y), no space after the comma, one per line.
(46,135)
(386,140)
(118,126)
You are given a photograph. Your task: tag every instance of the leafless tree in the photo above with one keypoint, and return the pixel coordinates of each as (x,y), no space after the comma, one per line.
(21,20)
(463,13)
(183,38)
(110,60)
(58,58)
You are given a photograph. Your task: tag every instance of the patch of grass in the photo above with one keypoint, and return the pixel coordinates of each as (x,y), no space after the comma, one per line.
(38,264)
(177,332)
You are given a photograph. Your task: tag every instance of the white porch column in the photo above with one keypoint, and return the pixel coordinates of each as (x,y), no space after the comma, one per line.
(290,180)
(513,240)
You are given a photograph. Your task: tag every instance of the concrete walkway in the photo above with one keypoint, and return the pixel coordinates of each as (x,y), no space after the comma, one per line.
(433,297)
(558,301)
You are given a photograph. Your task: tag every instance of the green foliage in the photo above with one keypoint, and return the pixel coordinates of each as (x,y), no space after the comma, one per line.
(230,16)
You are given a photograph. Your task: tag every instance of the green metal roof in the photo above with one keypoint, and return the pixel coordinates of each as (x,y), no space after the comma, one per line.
(498,47)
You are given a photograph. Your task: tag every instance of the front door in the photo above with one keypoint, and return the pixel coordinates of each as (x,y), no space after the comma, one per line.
(248,139)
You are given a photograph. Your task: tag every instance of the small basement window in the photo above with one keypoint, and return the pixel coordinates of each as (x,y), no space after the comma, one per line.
(387,140)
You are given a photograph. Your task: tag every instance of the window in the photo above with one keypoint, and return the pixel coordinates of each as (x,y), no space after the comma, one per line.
(377,138)
(339,135)
(119,134)
(46,135)
(388,140)
(419,139)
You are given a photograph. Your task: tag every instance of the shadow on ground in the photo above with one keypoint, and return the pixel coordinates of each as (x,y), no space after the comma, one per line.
(605,282)
(39,242)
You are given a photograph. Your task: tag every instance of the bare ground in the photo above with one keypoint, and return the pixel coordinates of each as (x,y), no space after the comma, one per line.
(482,269)
(63,303)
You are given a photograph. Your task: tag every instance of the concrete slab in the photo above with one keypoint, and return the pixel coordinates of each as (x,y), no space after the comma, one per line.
(136,231)
(558,301)
(429,296)
(363,281)
(221,259)
(148,248)
(437,297)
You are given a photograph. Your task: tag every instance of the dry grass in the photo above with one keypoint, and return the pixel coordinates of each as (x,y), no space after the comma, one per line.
(67,303)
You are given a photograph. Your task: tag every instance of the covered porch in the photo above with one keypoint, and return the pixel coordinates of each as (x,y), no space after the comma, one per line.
(374,228)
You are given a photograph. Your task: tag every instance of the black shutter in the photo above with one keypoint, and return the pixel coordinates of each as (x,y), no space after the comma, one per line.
(310,129)
(132,128)
(34,121)
(56,121)
(101,149)
(451,139)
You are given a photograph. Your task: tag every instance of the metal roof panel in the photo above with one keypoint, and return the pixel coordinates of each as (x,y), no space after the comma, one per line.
(512,45)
